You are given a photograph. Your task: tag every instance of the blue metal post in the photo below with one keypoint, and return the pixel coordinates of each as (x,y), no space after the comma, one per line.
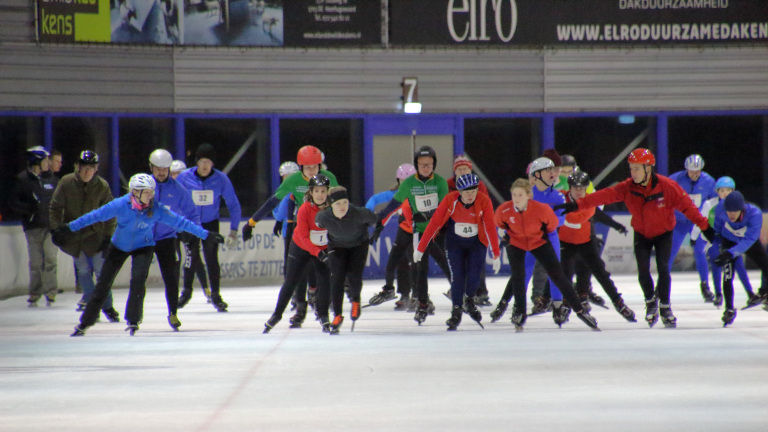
(547,132)
(458,135)
(180,147)
(274,132)
(48,132)
(368,156)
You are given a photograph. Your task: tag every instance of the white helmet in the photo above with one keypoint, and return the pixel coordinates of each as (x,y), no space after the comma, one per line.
(540,164)
(694,162)
(178,166)
(141,182)
(161,158)
(289,168)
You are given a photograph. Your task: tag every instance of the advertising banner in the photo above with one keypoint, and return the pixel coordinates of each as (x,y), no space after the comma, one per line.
(211,22)
(577,22)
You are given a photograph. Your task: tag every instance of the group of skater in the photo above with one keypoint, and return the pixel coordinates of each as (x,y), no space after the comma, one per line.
(546,230)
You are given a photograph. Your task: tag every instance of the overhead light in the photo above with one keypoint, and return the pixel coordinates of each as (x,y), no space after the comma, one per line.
(412,107)
(627,119)
(410,96)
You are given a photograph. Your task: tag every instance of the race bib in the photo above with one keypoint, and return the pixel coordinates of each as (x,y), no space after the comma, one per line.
(202,197)
(318,237)
(425,203)
(696,198)
(465,229)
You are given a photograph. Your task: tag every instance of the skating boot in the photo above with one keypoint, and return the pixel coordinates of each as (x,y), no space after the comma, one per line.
(311,292)
(448,294)
(499,311)
(596,299)
(174,322)
(112,315)
(518,319)
(271,323)
(728,316)
(32,301)
(50,300)
(336,324)
(355,314)
(293,302)
(560,314)
(79,331)
(455,319)
(298,318)
(483,300)
(667,318)
(540,305)
(430,307)
(81,305)
(402,303)
(584,299)
(207,293)
(132,328)
(387,293)
(413,304)
(588,319)
(218,303)
(421,313)
(185,297)
(651,311)
(471,310)
(706,293)
(624,310)
(325,323)
(752,301)
(718,300)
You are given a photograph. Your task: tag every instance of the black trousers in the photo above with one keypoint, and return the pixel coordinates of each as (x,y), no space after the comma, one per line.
(134,311)
(298,260)
(589,257)
(165,251)
(758,255)
(643,247)
(185,261)
(346,264)
(436,250)
(544,254)
(399,261)
(211,254)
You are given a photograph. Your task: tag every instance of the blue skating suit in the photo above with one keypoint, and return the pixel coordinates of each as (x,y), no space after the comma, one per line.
(551,197)
(700,191)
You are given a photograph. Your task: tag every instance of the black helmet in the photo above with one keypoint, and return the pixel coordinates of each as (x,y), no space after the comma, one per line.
(578,179)
(88,157)
(35,155)
(425,151)
(568,160)
(319,180)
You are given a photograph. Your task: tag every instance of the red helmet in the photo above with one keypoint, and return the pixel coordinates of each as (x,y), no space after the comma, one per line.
(642,156)
(309,155)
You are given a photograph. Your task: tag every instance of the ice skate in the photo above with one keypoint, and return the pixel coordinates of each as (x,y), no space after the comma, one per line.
(50,300)
(560,314)
(298,318)
(430,306)
(218,303)
(518,319)
(584,299)
(81,305)
(413,304)
(32,301)
(651,312)
(421,313)
(596,299)
(325,323)
(207,293)
(271,323)
(132,329)
(336,324)
(311,292)
(706,293)
(355,314)
(667,318)
(499,311)
(588,319)
(483,300)
(455,319)
(624,310)
(718,300)
(540,305)
(174,322)
(403,302)
(752,301)
(79,331)
(728,317)
(471,310)
(185,297)
(447,294)
(112,315)
(387,293)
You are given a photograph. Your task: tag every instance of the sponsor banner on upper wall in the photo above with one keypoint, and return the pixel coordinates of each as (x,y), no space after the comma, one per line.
(211,22)
(576,22)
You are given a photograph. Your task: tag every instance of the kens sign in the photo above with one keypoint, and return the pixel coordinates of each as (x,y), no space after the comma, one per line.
(469,20)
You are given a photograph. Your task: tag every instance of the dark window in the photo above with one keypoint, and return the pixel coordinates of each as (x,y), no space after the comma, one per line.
(138,138)
(71,135)
(17,134)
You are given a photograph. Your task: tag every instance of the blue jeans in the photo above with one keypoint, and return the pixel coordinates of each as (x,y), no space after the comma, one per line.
(86,268)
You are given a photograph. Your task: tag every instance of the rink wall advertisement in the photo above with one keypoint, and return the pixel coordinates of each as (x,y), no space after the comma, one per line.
(211,22)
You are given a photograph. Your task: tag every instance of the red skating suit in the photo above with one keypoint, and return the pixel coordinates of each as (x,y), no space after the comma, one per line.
(576,229)
(528,229)
(307,235)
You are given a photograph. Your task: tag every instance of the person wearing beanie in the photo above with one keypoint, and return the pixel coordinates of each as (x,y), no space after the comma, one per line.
(738,225)
(208,186)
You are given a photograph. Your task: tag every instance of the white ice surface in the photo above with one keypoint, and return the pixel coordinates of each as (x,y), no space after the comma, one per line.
(220,373)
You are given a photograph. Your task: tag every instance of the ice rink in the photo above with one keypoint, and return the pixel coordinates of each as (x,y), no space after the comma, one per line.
(220,373)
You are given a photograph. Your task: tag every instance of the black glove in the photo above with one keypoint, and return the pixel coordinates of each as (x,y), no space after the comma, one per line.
(566,207)
(247,232)
(324,256)
(215,237)
(724,258)
(376,232)
(420,217)
(504,241)
(59,235)
(621,229)
(709,234)
(277,229)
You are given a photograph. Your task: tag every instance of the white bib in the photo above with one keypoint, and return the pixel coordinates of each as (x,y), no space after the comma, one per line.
(465,229)
(318,237)
(202,197)
(425,203)
(696,198)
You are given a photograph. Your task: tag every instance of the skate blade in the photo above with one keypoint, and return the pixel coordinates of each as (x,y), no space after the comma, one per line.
(352,328)
(294,326)
(266,330)
(751,306)
(670,325)
(518,329)
(480,324)
(370,304)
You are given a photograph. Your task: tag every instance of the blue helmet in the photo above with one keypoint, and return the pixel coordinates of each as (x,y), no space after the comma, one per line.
(35,155)
(725,182)
(467,181)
